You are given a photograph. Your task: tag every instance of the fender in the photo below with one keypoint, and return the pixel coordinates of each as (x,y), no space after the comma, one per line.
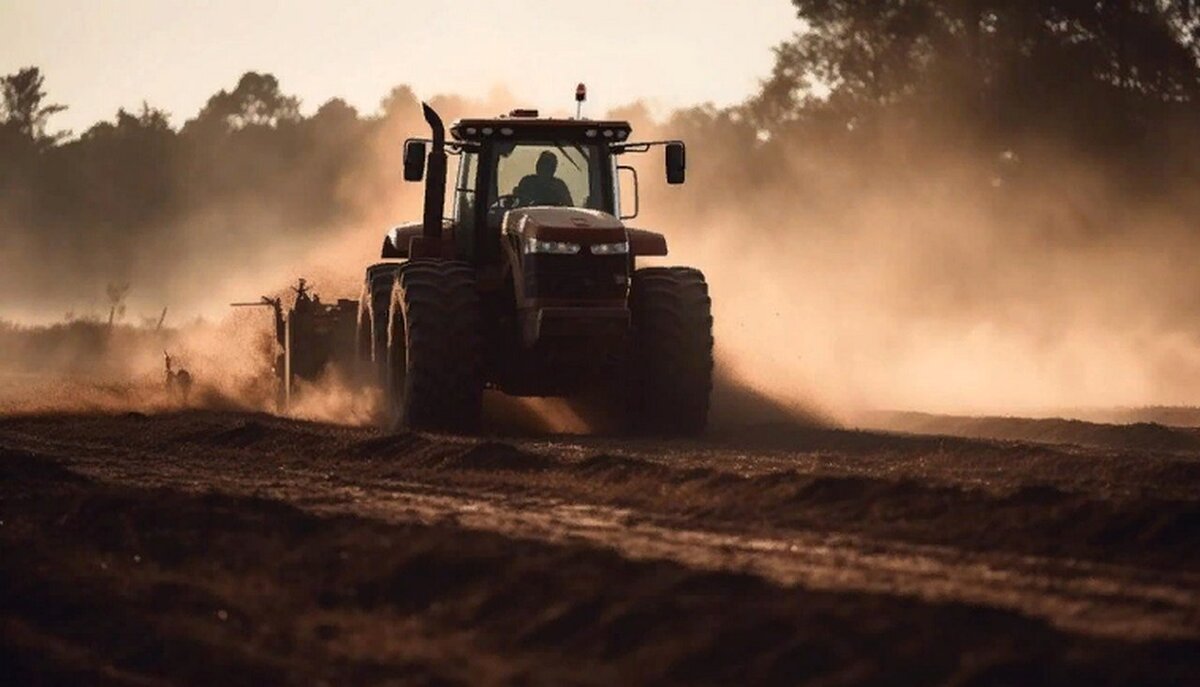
(643,242)
(422,246)
(397,242)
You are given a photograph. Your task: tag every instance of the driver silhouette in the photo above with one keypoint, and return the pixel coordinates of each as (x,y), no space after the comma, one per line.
(543,188)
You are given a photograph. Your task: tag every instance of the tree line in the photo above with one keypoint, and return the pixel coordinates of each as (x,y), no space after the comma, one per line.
(868,92)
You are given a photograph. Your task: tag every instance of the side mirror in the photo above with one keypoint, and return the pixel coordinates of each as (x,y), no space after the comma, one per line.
(414,160)
(676,163)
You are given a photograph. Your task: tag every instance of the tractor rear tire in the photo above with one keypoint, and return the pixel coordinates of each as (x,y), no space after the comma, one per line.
(373,308)
(434,378)
(363,355)
(670,358)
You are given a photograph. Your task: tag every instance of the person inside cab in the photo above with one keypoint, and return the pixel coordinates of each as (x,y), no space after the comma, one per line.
(543,188)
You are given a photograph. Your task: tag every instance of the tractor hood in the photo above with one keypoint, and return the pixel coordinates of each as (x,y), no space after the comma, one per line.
(576,225)
(583,226)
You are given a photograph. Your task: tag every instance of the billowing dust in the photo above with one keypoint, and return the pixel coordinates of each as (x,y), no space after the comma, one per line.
(832,295)
(924,289)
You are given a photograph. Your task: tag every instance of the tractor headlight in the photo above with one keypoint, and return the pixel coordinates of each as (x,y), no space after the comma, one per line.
(621,248)
(533,245)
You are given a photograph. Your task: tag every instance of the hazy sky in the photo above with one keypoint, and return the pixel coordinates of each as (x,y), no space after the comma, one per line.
(99,55)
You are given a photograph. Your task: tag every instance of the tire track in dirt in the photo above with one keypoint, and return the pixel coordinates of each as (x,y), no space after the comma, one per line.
(1085,597)
(1079,596)
(103,583)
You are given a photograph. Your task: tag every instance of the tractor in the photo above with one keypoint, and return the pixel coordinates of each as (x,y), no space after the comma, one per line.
(532,287)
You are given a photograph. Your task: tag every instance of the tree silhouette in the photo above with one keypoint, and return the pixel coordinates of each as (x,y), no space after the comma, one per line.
(879,52)
(23,110)
(1111,80)
(256,101)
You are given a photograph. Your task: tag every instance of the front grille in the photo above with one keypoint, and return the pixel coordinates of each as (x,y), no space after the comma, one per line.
(579,276)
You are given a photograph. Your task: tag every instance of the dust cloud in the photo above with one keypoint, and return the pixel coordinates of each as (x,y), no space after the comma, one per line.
(943,284)
(964,318)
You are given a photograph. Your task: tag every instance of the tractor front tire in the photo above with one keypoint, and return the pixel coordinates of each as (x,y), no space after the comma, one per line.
(670,354)
(434,378)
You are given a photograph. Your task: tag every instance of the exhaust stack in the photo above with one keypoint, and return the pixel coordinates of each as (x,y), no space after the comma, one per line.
(435,179)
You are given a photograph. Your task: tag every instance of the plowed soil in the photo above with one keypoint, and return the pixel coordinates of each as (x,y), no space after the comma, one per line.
(232,548)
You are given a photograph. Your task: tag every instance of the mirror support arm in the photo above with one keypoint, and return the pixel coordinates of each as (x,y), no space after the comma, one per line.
(637,201)
(452,147)
(639,146)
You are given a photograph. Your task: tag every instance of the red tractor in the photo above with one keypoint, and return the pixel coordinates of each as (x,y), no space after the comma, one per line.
(532,287)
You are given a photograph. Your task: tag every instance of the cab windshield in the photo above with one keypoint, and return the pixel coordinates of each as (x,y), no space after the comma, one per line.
(563,174)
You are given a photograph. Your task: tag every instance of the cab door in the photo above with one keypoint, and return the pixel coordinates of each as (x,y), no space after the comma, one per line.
(465,199)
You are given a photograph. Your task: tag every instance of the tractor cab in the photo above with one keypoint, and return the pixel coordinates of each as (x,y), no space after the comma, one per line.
(537,162)
(518,161)
(521,161)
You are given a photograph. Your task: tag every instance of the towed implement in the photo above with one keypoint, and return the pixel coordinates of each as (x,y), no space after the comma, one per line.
(310,336)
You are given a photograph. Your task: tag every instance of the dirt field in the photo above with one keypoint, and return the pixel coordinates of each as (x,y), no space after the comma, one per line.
(228,548)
